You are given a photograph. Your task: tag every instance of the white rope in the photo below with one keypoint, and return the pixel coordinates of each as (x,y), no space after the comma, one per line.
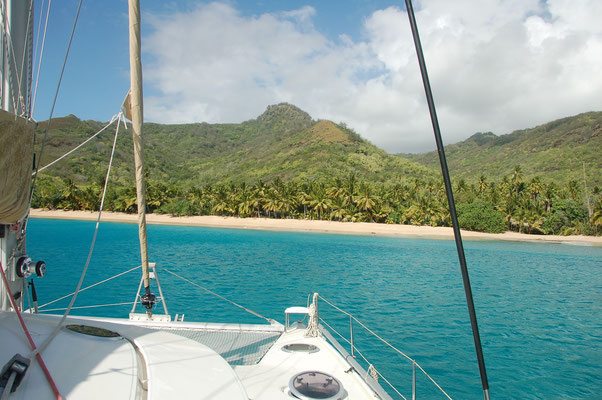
(56,330)
(372,372)
(35,90)
(215,294)
(390,384)
(88,287)
(390,345)
(313,322)
(115,117)
(9,385)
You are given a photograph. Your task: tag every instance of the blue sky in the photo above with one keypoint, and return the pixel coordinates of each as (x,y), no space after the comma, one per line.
(495,65)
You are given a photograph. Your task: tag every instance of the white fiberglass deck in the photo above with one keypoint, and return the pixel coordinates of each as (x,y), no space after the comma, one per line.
(270,378)
(174,360)
(139,364)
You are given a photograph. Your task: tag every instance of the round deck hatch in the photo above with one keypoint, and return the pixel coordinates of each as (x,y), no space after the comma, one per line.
(300,348)
(311,385)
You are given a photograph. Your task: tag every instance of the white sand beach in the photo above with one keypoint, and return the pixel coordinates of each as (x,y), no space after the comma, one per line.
(353,228)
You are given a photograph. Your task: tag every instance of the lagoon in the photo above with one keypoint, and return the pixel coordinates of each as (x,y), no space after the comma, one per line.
(538,305)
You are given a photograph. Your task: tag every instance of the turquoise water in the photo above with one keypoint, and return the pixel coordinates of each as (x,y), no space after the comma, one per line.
(538,305)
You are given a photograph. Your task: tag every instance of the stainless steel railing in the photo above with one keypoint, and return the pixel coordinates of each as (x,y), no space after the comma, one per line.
(372,371)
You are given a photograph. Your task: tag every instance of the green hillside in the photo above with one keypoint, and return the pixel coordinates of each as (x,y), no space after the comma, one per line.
(284,142)
(284,164)
(554,151)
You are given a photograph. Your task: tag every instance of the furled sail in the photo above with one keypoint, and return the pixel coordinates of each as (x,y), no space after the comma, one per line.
(135,101)
(16,159)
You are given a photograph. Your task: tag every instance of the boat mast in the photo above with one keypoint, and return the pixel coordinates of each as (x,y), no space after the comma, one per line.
(148,299)
(450,198)
(16,144)
(17,22)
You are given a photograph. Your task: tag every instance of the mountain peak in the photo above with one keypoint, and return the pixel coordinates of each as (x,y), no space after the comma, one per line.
(482,138)
(287,116)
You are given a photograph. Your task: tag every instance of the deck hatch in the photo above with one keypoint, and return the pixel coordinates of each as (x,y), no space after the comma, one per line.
(93,331)
(310,385)
(300,348)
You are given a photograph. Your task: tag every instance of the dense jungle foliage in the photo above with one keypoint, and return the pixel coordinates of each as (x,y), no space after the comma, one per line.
(510,204)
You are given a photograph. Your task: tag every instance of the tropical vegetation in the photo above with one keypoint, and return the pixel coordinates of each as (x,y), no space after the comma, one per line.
(558,151)
(510,204)
(286,165)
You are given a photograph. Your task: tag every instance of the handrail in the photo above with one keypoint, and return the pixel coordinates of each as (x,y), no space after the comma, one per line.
(354,350)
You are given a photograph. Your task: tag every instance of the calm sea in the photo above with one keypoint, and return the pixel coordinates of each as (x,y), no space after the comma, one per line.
(539,306)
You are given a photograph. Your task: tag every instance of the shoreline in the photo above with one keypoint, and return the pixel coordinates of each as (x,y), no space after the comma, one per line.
(296,225)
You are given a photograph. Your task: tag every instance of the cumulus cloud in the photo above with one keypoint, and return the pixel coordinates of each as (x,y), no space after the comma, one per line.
(495,65)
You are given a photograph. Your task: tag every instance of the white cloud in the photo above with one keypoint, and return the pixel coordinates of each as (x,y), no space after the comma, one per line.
(494,65)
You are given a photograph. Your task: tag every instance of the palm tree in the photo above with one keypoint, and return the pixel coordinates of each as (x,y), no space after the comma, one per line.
(339,208)
(365,200)
(517,179)
(288,199)
(596,220)
(71,195)
(90,198)
(244,201)
(574,190)
(272,201)
(221,204)
(482,185)
(126,200)
(318,200)
(259,191)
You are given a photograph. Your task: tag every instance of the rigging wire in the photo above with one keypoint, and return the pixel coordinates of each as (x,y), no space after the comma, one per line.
(83,274)
(382,340)
(35,90)
(217,295)
(129,303)
(25,110)
(56,94)
(89,287)
(8,48)
(79,146)
(330,327)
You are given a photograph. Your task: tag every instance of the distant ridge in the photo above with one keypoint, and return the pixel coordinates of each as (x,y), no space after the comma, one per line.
(284,142)
(554,151)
